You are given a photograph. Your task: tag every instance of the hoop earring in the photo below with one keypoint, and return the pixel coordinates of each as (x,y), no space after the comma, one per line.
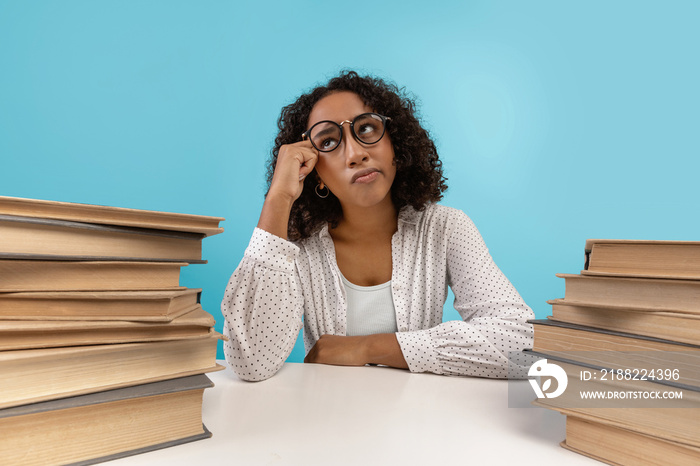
(322,186)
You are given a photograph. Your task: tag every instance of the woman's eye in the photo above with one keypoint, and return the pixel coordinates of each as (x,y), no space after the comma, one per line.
(328,143)
(367,128)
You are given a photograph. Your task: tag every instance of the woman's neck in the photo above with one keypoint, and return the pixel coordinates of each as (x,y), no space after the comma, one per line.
(378,221)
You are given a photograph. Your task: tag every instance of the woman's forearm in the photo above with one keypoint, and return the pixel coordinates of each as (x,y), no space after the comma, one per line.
(274,217)
(382,349)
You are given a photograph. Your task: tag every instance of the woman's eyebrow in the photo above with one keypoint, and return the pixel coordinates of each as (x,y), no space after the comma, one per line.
(340,122)
(325,131)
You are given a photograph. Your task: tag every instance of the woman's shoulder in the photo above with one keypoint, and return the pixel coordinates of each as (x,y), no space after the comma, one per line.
(446,211)
(448,226)
(434,214)
(438,222)
(314,243)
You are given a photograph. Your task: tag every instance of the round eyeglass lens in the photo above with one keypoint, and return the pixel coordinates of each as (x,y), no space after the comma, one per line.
(369,128)
(325,136)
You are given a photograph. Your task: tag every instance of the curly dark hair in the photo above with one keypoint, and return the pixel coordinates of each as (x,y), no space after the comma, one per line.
(419,178)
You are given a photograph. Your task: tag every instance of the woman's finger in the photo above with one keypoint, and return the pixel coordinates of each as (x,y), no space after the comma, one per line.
(307,166)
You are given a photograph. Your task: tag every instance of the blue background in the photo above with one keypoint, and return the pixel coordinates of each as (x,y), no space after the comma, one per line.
(556,121)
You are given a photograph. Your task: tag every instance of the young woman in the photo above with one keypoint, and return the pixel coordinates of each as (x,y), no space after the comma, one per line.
(351,242)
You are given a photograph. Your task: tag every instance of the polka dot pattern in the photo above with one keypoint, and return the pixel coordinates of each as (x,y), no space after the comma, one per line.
(279,282)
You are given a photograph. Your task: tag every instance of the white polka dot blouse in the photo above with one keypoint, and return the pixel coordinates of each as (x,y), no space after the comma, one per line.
(280,286)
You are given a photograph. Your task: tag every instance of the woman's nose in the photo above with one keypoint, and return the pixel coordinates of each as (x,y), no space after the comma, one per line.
(355,151)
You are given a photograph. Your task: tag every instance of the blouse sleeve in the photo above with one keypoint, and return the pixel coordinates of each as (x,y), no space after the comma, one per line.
(262,307)
(494,316)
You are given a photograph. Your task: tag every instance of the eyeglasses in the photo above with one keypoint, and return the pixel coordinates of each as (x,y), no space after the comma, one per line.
(367,128)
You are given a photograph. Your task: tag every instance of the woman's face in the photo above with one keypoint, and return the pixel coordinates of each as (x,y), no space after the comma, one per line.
(360,175)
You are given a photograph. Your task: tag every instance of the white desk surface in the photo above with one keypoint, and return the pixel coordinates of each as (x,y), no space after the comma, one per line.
(310,414)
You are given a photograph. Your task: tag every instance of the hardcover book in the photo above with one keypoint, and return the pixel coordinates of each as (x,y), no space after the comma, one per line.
(103,426)
(676,420)
(624,447)
(30,376)
(34,334)
(143,306)
(669,325)
(107,215)
(659,259)
(681,296)
(72,275)
(21,237)
(615,350)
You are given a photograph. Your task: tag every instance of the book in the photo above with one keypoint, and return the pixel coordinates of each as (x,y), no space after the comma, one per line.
(617,446)
(56,275)
(143,306)
(106,215)
(31,334)
(33,375)
(677,420)
(23,236)
(680,327)
(616,350)
(670,259)
(681,296)
(104,426)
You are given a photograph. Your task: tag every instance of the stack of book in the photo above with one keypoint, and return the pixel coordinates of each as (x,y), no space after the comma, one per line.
(102,352)
(628,329)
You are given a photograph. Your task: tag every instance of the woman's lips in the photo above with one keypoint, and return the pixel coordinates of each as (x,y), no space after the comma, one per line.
(365,176)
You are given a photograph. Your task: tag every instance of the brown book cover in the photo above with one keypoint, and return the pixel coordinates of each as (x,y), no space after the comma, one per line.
(107,425)
(616,350)
(680,327)
(106,215)
(681,296)
(30,376)
(162,305)
(643,258)
(34,334)
(624,447)
(677,420)
(57,275)
(22,236)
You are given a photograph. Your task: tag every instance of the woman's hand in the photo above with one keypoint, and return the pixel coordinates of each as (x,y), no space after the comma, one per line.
(294,163)
(338,350)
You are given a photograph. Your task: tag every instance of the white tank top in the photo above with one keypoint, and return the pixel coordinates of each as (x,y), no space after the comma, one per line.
(370,309)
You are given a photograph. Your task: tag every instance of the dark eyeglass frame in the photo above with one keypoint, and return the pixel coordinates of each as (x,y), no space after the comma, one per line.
(306,134)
